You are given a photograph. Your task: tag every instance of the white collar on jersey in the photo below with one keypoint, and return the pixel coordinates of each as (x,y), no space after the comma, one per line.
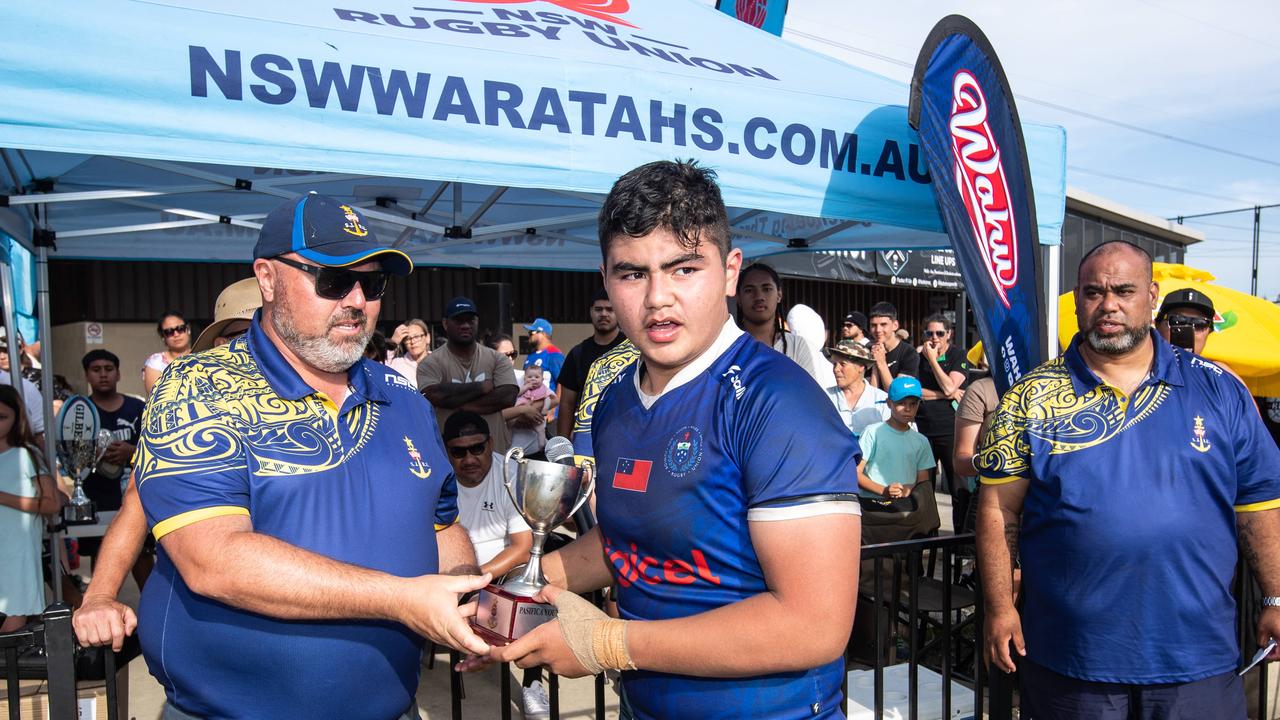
(728,334)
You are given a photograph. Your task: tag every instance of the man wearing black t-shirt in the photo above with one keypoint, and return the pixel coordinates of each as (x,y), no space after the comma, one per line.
(119,414)
(573,374)
(893,357)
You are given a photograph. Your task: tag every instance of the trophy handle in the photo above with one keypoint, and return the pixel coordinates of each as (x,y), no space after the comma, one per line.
(515,453)
(589,469)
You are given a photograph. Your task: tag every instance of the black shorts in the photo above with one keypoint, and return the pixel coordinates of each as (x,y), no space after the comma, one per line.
(1046,695)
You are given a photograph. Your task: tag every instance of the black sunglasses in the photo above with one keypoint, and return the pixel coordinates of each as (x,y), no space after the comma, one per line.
(935,333)
(175,330)
(336,283)
(1196,323)
(460,452)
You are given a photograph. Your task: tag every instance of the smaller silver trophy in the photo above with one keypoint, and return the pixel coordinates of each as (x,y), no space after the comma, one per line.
(79,445)
(546,493)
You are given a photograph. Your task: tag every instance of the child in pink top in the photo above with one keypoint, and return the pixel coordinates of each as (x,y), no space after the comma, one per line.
(533,392)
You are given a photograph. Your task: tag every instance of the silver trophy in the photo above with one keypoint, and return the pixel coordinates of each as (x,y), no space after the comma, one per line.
(79,446)
(546,493)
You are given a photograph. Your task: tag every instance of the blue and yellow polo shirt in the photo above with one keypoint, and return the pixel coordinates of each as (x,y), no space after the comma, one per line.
(236,431)
(1128,539)
(600,375)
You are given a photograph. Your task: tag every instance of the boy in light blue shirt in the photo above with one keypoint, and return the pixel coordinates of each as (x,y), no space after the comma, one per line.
(895,457)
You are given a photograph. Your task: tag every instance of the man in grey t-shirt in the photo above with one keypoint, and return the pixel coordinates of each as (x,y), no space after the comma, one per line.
(466,375)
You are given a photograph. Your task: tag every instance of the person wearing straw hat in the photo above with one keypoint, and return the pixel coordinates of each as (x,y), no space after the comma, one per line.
(232,314)
(859,403)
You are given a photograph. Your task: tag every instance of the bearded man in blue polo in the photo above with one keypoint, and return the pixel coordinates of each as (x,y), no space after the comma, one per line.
(291,484)
(1124,472)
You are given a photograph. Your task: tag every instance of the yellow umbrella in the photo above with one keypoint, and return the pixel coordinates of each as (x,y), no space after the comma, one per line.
(1246,329)
(974,356)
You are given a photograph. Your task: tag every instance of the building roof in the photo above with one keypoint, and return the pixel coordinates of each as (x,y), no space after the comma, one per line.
(1085,203)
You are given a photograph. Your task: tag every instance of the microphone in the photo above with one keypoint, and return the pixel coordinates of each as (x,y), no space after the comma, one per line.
(560,450)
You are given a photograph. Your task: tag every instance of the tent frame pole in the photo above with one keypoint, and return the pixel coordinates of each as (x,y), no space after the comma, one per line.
(46,394)
(1053,281)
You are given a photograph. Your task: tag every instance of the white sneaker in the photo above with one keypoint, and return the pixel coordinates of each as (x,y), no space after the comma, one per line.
(534,702)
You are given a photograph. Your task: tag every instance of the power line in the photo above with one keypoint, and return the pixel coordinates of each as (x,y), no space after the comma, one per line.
(1199,223)
(1251,208)
(1148,183)
(1201,23)
(1056,106)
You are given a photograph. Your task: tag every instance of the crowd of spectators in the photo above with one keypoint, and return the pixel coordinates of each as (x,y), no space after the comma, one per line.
(916,407)
(523,401)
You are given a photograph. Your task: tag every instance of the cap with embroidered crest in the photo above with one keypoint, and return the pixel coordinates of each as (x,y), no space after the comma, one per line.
(326,232)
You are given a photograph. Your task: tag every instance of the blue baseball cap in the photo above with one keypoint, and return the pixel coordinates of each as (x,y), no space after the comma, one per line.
(540,325)
(460,306)
(327,233)
(904,387)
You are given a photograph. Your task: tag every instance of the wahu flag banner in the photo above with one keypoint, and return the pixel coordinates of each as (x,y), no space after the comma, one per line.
(768,15)
(972,141)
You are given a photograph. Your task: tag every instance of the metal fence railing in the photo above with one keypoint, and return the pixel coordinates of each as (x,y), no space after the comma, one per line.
(914,603)
(47,651)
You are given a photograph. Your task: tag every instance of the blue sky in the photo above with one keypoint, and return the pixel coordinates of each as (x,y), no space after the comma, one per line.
(1171,67)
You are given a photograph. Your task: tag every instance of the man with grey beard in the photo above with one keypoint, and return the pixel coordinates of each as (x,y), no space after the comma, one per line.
(1126,475)
(287,480)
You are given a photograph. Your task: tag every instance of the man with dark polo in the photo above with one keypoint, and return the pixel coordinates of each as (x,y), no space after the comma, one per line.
(287,480)
(1128,473)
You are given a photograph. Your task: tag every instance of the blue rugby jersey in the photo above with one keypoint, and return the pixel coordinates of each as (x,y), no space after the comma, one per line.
(1128,539)
(235,431)
(749,436)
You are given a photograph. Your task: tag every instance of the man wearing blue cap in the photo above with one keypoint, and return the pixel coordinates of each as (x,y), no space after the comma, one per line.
(286,479)
(467,375)
(545,354)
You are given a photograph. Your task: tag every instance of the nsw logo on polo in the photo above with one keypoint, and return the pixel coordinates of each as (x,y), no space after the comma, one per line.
(416,466)
(684,451)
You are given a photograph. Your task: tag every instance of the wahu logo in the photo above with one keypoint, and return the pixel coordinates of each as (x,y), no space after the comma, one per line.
(631,567)
(415,461)
(606,10)
(752,12)
(1199,442)
(981,181)
(353,225)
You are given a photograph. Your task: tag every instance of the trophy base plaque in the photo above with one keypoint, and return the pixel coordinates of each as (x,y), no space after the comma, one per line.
(503,616)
